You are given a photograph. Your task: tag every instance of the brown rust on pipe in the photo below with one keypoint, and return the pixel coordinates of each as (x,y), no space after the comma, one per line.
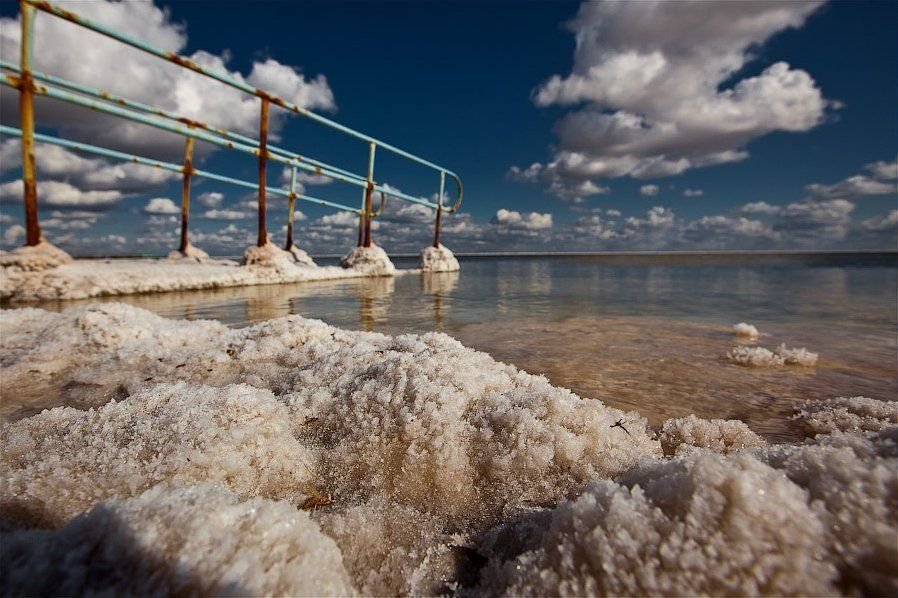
(367,241)
(60,12)
(438,226)
(361,228)
(26,114)
(291,202)
(263,154)
(185,194)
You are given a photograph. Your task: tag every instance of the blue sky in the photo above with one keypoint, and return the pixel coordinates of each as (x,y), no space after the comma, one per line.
(669,126)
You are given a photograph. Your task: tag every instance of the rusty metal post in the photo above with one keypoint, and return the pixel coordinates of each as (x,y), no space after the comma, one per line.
(361,225)
(26,113)
(368,190)
(263,156)
(185,194)
(439,223)
(292,199)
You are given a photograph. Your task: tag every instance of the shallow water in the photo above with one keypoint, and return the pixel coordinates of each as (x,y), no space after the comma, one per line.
(639,332)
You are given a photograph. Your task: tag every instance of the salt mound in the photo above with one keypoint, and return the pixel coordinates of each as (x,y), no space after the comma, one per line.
(33,258)
(269,256)
(719,435)
(190,253)
(761,357)
(197,540)
(437,259)
(745,330)
(698,526)
(847,414)
(372,260)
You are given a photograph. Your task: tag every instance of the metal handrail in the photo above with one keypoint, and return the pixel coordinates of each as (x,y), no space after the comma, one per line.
(22,78)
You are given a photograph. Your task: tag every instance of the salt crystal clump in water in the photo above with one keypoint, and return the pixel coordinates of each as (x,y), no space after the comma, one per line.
(198,540)
(797,356)
(437,259)
(746,331)
(703,525)
(755,357)
(372,260)
(847,414)
(718,435)
(761,357)
(64,460)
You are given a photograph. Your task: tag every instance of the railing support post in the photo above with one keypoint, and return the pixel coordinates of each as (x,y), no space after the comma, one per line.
(289,245)
(368,190)
(439,223)
(26,113)
(185,194)
(263,156)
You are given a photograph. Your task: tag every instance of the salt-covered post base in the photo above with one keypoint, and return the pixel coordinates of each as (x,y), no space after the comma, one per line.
(272,256)
(34,258)
(190,253)
(301,257)
(437,259)
(373,260)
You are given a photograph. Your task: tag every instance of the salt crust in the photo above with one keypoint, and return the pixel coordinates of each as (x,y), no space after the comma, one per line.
(745,331)
(46,276)
(373,260)
(439,459)
(197,540)
(437,259)
(761,357)
(847,414)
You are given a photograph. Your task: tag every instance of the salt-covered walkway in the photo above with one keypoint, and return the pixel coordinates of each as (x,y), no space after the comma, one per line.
(45,272)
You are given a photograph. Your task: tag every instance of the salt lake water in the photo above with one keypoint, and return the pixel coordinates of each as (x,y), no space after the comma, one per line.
(642,332)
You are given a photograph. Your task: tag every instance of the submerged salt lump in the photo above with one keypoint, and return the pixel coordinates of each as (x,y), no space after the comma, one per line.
(796,356)
(199,540)
(63,461)
(755,357)
(847,414)
(702,525)
(372,260)
(718,435)
(437,259)
(761,357)
(745,331)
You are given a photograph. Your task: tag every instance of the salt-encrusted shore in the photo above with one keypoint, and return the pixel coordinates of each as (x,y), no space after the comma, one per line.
(46,273)
(185,450)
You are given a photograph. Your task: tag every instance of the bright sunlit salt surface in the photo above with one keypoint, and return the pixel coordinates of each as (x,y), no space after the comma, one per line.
(649,333)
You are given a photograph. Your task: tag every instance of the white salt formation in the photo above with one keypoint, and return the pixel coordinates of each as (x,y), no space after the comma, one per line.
(435,469)
(761,357)
(746,331)
(847,414)
(195,540)
(437,259)
(373,261)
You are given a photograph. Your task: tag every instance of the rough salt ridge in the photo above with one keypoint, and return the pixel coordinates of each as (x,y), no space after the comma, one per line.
(45,272)
(448,472)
